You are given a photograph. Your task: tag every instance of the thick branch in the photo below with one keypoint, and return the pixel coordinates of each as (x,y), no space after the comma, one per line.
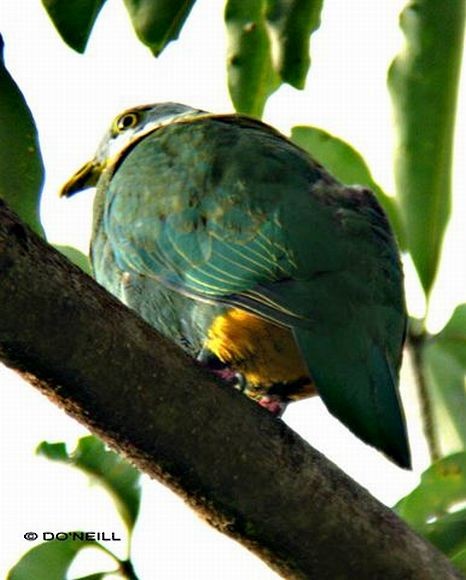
(246,472)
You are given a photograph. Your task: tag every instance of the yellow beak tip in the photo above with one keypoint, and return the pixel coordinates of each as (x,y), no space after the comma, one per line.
(87,176)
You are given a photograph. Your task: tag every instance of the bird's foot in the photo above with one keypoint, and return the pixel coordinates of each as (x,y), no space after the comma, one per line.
(273,404)
(221,370)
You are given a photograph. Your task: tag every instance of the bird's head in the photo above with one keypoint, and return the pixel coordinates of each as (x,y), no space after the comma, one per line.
(127,128)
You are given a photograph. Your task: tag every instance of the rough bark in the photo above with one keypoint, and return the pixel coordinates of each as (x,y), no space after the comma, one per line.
(248,474)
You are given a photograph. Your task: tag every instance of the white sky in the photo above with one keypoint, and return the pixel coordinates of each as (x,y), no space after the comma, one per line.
(73,99)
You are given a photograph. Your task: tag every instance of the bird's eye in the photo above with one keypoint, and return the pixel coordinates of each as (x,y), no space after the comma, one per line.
(126,121)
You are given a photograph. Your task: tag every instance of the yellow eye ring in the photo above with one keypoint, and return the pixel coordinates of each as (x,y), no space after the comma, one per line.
(126,121)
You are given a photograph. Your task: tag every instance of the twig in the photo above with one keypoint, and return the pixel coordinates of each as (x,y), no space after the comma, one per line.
(416,341)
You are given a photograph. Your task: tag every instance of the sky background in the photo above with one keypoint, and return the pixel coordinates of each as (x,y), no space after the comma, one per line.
(73,99)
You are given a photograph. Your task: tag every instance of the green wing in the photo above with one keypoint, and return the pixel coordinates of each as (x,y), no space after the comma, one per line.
(184,207)
(361,382)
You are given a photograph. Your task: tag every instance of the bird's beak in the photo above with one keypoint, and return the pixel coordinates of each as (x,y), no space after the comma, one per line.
(84,178)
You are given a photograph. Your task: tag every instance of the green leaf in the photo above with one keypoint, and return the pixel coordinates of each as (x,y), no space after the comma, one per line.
(106,468)
(96,576)
(423,80)
(21,168)
(459,560)
(435,509)
(453,336)
(268,43)
(448,532)
(447,390)
(348,166)
(290,25)
(251,76)
(76,257)
(445,359)
(53,451)
(74,19)
(443,485)
(158,22)
(48,561)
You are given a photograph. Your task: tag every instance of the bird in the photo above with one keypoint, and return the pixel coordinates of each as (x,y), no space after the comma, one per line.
(237,245)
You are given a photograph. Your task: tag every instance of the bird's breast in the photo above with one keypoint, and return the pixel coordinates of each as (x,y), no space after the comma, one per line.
(265,354)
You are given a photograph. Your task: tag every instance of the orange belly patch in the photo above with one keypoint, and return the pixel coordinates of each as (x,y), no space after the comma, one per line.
(264,353)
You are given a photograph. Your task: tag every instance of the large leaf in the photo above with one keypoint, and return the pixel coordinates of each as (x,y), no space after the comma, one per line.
(435,509)
(423,80)
(268,43)
(251,76)
(21,168)
(107,468)
(50,560)
(74,19)
(348,166)
(290,24)
(158,22)
(445,359)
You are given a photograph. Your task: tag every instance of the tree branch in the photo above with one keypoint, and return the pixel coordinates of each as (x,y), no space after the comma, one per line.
(248,474)
(415,341)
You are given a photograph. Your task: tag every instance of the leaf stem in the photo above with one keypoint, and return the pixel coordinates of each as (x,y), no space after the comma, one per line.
(127,570)
(416,341)
(125,567)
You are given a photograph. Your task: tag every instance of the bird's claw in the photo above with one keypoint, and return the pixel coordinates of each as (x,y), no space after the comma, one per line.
(273,404)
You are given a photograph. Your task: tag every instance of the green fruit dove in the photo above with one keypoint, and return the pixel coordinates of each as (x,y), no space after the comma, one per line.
(238,246)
